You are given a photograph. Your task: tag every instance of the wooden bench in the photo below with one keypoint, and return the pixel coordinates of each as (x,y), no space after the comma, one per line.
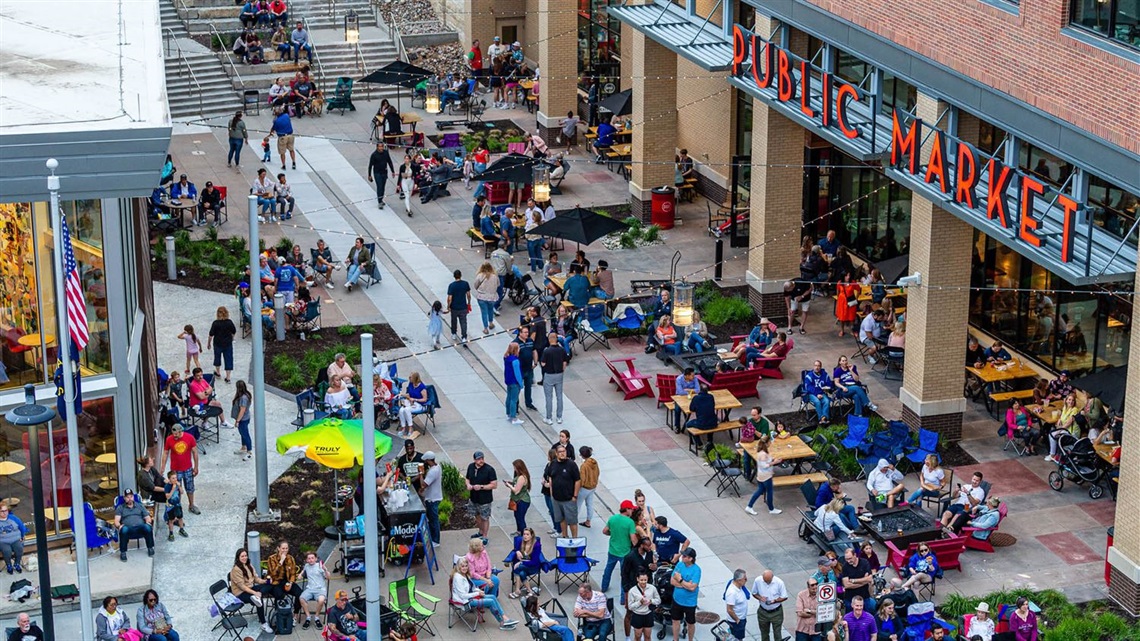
(742,383)
(477,237)
(727,426)
(997,398)
(788,480)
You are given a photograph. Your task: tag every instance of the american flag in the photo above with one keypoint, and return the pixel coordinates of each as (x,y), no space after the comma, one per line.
(76,304)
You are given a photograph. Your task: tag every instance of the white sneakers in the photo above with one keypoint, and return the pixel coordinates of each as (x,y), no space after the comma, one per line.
(255,599)
(775,511)
(516,421)
(548,421)
(748,508)
(508,624)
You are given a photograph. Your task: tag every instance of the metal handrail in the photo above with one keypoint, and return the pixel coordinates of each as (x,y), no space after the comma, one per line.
(398,39)
(362,69)
(312,43)
(188,9)
(184,62)
(227,56)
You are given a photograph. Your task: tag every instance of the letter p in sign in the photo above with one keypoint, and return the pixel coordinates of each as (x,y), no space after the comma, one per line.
(825,609)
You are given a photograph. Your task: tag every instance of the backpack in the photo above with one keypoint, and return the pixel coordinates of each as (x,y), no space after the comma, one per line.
(283,616)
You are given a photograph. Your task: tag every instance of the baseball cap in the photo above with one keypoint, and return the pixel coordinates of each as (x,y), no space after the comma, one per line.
(340,594)
(1065,372)
(516,44)
(478,455)
(409,444)
(627,505)
(128,491)
(689,553)
(429,455)
(497,38)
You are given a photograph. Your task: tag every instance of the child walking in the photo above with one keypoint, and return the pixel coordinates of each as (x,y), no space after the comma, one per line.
(435,323)
(173,514)
(265,155)
(468,170)
(193,346)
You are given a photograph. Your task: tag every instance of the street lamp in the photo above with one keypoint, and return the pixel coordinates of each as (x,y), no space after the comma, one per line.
(33,415)
(682,304)
(541,183)
(431,102)
(351,27)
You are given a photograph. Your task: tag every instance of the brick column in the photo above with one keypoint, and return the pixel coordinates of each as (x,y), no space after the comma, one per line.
(557,58)
(1124,555)
(776,204)
(936,319)
(654,83)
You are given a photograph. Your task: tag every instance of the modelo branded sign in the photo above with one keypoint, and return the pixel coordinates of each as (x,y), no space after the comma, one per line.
(774,68)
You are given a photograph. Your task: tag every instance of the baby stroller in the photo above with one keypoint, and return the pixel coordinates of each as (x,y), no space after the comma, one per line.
(1079,463)
(662,581)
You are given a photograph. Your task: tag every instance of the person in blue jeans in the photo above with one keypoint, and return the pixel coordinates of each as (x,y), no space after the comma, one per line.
(817,390)
(847,383)
(682,385)
(544,620)
(833,489)
(764,463)
(623,534)
(464,592)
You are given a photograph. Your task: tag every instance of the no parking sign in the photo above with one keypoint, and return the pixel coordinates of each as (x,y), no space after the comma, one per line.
(825,610)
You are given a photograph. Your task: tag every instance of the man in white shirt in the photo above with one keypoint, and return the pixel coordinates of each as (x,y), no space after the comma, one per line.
(771,593)
(284,197)
(496,49)
(869,331)
(548,213)
(968,497)
(736,603)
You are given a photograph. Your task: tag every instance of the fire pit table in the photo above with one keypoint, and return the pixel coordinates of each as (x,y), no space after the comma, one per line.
(903,526)
(701,361)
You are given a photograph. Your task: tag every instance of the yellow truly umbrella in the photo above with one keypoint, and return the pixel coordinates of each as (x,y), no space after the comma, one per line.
(333,442)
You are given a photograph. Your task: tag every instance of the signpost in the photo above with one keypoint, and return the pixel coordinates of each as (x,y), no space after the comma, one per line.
(825,609)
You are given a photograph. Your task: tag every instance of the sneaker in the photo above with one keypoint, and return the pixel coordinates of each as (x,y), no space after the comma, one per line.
(150,551)
(1048,458)
(872,407)
(194,509)
(775,511)
(348,286)
(317,622)
(261,219)
(308,624)
(548,421)
(123,557)
(255,599)
(182,532)
(330,285)
(498,312)
(241,452)
(338,266)
(170,537)
(866,517)
(265,626)
(560,420)
(515,421)
(748,508)
(508,624)
(532,408)
(455,338)
(871,360)
(10,570)
(19,569)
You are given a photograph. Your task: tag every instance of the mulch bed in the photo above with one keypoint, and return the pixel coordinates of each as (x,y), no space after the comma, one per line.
(302,494)
(462,518)
(196,277)
(487,126)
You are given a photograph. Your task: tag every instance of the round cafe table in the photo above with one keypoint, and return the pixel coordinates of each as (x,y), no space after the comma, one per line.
(109,459)
(8,468)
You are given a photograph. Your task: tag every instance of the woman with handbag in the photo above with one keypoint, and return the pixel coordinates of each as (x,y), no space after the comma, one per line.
(112,624)
(519,500)
(154,620)
(846,303)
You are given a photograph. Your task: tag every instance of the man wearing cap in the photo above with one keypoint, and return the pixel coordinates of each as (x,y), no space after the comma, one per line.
(410,455)
(209,203)
(638,561)
(1059,387)
(496,49)
(183,189)
(431,491)
(342,619)
(181,450)
(528,359)
(623,535)
(133,521)
(686,581)
(668,542)
(481,483)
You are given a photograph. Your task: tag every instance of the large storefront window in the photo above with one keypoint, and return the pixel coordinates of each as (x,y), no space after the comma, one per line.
(1112,208)
(599,46)
(1081,329)
(743,143)
(1117,20)
(97,464)
(27,296)
(1045,166)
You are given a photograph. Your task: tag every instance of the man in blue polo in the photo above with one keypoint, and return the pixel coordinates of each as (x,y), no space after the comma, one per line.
(684,383)
(287,281)
(283,127)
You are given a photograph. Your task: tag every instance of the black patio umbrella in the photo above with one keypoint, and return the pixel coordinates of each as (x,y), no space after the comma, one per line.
(515,168)
(579,225)
(619,104)
(1108,384)
(398,73)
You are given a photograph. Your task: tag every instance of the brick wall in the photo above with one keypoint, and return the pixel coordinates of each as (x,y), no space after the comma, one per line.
(655,102)
(769,305)
(777,195)
(948,425)
(556,35)
(1126,593)
(1023,55)
(1127,537)
(704,117)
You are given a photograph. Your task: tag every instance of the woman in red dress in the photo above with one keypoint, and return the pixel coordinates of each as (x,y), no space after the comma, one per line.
(846,302)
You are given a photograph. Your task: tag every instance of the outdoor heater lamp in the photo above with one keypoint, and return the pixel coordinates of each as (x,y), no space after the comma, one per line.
(431,102)
(682,304)
(541,183)
(351,27)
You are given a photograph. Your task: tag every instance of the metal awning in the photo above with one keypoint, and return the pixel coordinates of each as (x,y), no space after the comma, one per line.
(694,38)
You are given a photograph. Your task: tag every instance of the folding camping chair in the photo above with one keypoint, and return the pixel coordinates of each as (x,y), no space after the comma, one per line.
(342,97)
(231,622)
(593,324)
(572,563)
(406,599)
(370,273)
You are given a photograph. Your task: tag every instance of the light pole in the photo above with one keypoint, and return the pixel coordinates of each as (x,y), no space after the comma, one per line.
(32,415)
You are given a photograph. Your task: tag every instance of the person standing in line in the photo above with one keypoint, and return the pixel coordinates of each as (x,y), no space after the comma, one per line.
(239,412)
(481,483)
(458,305)
(486,287)
(435,324)
(589,472)
(407,184)
(764,463)
(431,490)
(528,359)
(554,364)
(193,346)
(861,625)
(519,499)
(736,603)
(623,535)
(770,591)
(686,581)
(283,127)
(182,451)
(807,602)
(221,339)
(565,483)
(238,136)
(376,163)
(513,377)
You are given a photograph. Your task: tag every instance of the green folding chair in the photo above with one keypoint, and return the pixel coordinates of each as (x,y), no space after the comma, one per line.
(404,598)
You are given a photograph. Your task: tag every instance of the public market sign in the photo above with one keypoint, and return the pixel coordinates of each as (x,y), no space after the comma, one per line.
(1048,227)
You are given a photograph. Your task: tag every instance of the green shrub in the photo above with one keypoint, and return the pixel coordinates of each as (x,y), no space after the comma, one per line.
(367,329)
(727,453)
(728,309)
(445,507)
(651,233)
(628,240)
(346,330)
(453,483)
(634,222)
(284,247)
(212,234)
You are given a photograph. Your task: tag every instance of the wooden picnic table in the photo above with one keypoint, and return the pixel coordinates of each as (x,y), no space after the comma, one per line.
(789,448)
(724,399)
(622,150)
(1048,413)
(1104,451)
(1005,372)
(410,118)
(892,292)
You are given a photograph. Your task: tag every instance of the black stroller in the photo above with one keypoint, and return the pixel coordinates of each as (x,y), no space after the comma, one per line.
(662,581)
(1079,463)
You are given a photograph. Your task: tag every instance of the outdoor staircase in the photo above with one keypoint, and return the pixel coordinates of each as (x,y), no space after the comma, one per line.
(196,84)
(329,14)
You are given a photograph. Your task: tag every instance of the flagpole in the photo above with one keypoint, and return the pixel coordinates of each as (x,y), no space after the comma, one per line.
(63,343)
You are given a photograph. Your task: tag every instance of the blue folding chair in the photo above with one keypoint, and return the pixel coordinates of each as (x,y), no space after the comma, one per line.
(307,400)
(94,539)
(593,325)
(572,563)
(880,448)
(927,444)
(427,410)
(856,436)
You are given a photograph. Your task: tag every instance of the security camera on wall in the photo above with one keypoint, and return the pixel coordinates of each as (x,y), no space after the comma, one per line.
(914,280)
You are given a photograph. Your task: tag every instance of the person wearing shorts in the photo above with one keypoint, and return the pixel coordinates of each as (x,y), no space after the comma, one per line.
(797,297)
(283,127)
(316,589)
(686,581)
(481,483)
(182,451)
(565,481)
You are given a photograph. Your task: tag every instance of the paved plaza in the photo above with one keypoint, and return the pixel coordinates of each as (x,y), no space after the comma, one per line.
(1060,536)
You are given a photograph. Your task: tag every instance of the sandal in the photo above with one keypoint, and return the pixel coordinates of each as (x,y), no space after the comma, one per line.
(514,595)
(802,331)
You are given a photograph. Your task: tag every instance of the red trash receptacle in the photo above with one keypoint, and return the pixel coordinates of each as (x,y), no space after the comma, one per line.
(1107,565)
(663,207)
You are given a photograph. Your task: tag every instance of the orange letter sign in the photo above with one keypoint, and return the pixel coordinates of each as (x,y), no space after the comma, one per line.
(936,166)
(902,142)
(995,193)
(967,174)
(1070,208)
(1029,224)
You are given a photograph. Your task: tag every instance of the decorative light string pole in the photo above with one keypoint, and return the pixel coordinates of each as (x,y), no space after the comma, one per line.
(371,537)
(257,372)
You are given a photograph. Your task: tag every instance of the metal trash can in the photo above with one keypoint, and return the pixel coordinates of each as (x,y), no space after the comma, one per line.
(663,207)
(1107,565)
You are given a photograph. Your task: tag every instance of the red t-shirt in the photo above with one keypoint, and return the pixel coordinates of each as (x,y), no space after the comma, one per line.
(477,59)
(181,452)
(483,156)
(198,387)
